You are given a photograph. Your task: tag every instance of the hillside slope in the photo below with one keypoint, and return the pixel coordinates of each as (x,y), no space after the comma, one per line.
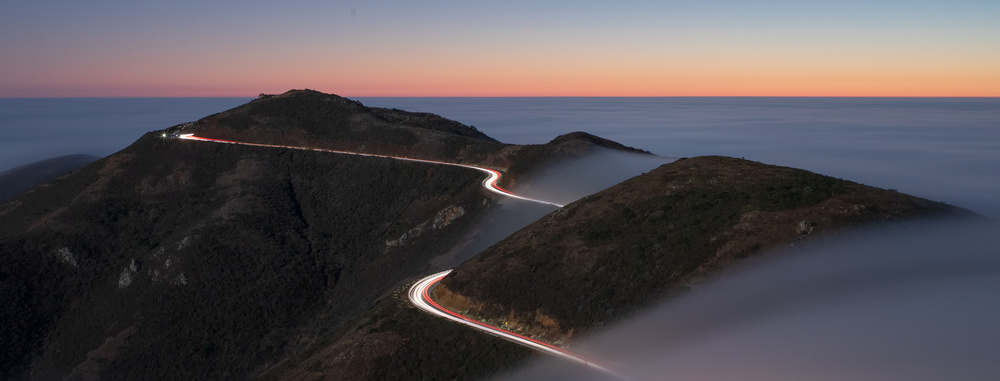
(600,258)
(200,260)
(176,259)
(604,256)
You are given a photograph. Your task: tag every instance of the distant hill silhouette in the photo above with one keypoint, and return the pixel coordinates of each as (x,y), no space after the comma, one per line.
(19,179)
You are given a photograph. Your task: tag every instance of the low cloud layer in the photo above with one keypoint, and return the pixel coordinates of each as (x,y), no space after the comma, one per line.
(917,302)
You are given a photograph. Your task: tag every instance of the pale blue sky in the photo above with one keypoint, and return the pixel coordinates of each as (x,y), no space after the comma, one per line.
(400,47)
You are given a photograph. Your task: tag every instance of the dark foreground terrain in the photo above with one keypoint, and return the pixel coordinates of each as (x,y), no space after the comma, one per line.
(176,259)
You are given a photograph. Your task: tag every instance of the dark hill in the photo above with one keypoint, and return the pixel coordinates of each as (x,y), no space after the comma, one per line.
(578,141)
(606,255)
(311,118)
(574,145)
(602,257)
(18,180)
(187,260)
(176,259)
(314,119)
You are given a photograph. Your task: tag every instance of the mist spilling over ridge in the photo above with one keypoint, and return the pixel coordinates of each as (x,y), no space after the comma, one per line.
(915,301)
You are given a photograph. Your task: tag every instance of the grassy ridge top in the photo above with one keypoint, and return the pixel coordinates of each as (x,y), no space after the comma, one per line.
(315,119)
(610,253)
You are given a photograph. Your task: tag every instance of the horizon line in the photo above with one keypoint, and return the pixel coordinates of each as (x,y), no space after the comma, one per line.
(509,96)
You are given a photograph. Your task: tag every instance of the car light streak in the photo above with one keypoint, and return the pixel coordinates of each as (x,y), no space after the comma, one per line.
(419,295)
(490,183)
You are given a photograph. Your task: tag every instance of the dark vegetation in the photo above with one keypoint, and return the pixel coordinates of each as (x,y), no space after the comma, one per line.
(430,121)
(175,259)
(188,260)
(601,258)
(310,118)
(18,180)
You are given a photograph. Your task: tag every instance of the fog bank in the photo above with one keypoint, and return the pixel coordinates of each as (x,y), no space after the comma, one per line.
(917,302)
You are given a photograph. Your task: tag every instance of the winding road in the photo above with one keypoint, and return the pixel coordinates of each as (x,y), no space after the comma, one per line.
(490,183)
(419,293)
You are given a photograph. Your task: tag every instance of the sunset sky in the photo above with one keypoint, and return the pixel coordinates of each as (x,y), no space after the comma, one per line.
(504,48)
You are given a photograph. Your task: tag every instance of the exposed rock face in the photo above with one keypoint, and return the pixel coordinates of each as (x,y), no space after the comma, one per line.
(129,273)
(66,256)
(446,216)
(805,227)
(180,280)
(442,219)
(184,243)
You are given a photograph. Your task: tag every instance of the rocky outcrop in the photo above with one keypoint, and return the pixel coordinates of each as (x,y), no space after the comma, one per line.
(129,273)
(442,219)
(67,256)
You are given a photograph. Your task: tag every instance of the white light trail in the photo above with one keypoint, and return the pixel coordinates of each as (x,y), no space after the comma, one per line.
(419,294)
(490,183)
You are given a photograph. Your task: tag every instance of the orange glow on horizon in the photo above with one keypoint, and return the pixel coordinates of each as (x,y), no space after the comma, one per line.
(503,71)
(396,48)
(830,88)
(515,79)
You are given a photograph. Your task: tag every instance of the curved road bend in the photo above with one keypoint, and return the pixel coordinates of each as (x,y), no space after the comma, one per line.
(419,294)
(490,183)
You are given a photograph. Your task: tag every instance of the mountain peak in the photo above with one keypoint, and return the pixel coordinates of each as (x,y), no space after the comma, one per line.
(303,95)
(314,119)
